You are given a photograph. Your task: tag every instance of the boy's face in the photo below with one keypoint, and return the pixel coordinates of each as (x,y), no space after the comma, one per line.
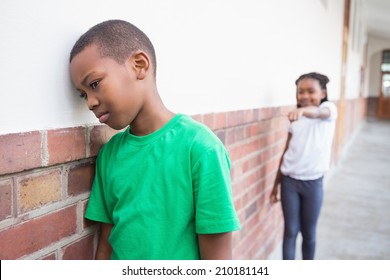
(113,92)
(309,92)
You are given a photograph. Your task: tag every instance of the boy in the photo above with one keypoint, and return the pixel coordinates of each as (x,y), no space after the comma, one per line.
(162,187)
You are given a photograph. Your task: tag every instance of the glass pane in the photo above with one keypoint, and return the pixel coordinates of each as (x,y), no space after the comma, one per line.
(385,67)
(386,57)
(386,85)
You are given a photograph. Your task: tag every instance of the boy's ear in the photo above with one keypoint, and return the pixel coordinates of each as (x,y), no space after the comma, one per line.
(141,64)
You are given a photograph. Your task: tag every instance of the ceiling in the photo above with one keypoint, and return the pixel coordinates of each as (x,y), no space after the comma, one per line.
(376,15)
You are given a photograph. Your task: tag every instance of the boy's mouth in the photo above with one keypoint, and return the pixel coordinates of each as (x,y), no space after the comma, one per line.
(103,117)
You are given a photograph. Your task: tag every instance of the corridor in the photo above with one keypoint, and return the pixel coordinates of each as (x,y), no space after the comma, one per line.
(355,219)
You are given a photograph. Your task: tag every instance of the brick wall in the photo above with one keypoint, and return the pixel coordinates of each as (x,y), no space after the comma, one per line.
(355,113)
(45,179)
(255,140)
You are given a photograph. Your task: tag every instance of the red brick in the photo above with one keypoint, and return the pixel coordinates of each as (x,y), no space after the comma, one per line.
(236,171)
(50,257)
(66,145)
(208,120)
(235,118)
(252,162)
(269,139)
(264,126)
(250,210)
(220,120)
(252,130)
(98,136)
(35,234)
(82,249)
(222,136)
(265,113)
(39,189)
(249,116)
(230,137)
(235,135)
(267,154)
(273,168)
(271,246)
(255,115)
(276,112)
(247,240)
(80,178)
(240,151)
(281,135)
(239,134)
(5,199)
(20,151)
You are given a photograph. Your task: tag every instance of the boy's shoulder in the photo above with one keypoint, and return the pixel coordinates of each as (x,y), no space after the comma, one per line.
(187,123)
(183,126)
(199,131)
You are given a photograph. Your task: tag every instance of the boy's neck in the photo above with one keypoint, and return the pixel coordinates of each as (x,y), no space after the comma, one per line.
(153,117)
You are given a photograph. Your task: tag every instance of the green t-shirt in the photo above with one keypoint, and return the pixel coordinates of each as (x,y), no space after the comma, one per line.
(161,190)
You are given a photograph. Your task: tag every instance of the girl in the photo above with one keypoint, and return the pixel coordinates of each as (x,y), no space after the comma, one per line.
(304,162)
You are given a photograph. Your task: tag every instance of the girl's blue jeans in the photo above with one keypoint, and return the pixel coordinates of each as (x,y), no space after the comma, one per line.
(301,205)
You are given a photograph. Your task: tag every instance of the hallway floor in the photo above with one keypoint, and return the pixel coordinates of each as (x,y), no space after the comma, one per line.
(355,218)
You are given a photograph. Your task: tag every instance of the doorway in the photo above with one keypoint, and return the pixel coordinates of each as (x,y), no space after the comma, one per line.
(384,88)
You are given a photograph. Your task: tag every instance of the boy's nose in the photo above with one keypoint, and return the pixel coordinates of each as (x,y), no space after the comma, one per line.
(92,102)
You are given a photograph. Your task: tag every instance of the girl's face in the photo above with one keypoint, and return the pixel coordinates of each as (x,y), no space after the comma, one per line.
(309,92)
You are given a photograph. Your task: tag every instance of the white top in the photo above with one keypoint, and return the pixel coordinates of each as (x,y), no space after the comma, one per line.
(309,153)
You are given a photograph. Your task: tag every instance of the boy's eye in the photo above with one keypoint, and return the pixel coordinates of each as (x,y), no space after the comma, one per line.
(94,84)
(83,95)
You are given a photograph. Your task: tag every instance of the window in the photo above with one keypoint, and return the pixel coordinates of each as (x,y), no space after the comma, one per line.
(386,61)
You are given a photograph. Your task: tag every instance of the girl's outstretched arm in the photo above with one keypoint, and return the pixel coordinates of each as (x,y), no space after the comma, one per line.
(312,112)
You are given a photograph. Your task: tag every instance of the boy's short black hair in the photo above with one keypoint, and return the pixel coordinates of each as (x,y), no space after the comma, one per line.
(116,39)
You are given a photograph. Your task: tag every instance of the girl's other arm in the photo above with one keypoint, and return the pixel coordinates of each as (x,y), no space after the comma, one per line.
(104,248)
(215,246)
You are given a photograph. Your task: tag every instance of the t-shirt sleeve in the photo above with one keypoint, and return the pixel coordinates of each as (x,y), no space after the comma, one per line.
(214,207)
(332,108)
(97,207)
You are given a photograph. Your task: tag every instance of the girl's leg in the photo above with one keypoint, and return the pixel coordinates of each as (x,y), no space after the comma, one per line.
(290,205)
(312,197)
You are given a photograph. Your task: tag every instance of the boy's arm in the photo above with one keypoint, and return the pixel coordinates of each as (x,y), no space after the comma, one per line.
(215,246)
(104,248)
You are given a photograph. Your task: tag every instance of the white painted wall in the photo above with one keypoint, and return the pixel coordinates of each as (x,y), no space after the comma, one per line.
(356,51)
(213,55)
